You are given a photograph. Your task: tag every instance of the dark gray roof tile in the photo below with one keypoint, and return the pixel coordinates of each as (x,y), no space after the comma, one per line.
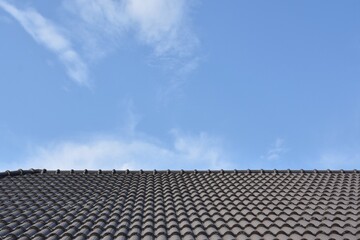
(37,237)
(43,232)
(120,237)
(11,237)
(255,204)
(161,237)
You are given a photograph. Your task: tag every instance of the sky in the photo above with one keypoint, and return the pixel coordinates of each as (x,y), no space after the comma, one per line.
(181,84)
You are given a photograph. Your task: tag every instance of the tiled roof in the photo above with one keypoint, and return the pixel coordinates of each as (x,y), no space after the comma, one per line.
(40,204)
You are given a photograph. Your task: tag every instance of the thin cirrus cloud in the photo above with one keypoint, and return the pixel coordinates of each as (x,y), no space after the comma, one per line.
(199,151)
(276,150)
(50,36)
(98,26)
(160,24)
(163,24)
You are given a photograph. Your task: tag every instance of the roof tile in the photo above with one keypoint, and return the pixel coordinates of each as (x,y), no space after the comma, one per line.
(254,204)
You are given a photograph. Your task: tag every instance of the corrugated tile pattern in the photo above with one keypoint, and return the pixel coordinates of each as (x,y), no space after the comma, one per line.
(180,205)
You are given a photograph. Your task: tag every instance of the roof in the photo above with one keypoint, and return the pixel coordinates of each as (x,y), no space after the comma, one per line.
(40,204)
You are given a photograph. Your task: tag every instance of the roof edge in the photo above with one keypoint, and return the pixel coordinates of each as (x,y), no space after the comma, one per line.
(19,172)
(235,171)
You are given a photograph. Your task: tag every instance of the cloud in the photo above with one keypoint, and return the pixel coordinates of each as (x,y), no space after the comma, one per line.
(276,150)
(161,24)
(46,33)
(95,28)
(187,151)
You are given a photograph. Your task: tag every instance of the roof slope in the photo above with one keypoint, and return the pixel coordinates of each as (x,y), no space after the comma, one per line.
(275,204)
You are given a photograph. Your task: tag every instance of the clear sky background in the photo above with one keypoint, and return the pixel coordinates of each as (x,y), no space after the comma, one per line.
(179,84)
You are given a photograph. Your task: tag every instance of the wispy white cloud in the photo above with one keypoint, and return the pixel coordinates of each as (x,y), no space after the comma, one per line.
(95,28)
(161,24)
(199,151)
(276,150)
(46,33)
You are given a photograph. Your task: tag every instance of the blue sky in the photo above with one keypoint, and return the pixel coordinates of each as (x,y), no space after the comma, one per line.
(179,84)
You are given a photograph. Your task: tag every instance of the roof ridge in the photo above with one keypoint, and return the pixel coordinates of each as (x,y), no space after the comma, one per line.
(19,172)
(155,171)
